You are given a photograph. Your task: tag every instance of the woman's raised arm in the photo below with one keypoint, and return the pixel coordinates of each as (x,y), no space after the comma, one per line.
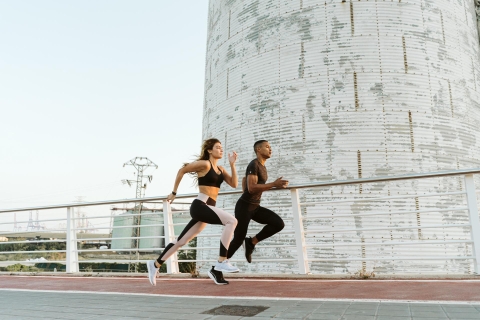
(231,180)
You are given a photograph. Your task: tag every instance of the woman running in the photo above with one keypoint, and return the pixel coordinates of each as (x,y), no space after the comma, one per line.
(210,177)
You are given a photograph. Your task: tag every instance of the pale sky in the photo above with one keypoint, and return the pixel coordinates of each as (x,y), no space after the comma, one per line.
(88,85)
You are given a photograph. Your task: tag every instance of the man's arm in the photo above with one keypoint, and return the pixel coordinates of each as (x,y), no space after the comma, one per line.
(254,187)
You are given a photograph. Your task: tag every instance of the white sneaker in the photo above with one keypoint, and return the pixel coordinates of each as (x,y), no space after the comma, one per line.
(152,272)
(225,266)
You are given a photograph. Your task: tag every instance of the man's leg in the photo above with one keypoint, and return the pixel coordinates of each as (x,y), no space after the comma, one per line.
(273,224)
(243,217)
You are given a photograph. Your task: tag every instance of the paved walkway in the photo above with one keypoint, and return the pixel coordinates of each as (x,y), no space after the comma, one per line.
(37,297)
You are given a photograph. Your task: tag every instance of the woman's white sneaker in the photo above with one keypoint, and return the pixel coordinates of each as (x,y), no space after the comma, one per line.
(152,272)
(225,266)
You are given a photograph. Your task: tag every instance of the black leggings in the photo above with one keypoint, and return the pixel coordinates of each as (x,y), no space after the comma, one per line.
(244,212)
(202,211)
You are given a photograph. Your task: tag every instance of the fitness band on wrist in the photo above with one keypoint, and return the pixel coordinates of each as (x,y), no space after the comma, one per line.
(174,193)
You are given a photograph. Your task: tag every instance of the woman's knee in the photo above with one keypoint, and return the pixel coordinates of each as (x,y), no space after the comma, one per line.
(232,221)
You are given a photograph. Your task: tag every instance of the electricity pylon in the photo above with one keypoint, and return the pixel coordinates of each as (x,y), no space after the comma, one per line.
(141,164)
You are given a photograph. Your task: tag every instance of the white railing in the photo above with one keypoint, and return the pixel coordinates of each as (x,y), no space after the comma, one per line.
(307,247)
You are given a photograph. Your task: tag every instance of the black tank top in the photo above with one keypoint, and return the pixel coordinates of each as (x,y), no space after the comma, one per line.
(211,179)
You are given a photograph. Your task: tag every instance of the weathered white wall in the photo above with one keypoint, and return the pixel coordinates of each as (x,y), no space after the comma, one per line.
(477,9)
(345,90)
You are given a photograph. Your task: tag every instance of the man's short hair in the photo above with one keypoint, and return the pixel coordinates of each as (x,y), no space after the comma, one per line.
(256,144)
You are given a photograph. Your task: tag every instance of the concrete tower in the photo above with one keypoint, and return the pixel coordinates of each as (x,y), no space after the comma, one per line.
(346,89)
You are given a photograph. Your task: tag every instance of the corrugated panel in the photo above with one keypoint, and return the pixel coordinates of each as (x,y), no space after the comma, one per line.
(147,231)
(122,220)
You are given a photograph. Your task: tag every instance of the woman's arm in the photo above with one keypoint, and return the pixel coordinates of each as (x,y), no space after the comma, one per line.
(233,179)
(196,166)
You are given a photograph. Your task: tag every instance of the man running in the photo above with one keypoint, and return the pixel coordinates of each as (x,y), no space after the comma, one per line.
(248,206)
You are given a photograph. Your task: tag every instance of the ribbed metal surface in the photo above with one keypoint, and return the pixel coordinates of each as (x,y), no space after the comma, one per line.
(122,220)
(347,90)
(151,226)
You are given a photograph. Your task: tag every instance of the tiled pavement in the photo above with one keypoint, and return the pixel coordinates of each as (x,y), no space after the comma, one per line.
(27,304)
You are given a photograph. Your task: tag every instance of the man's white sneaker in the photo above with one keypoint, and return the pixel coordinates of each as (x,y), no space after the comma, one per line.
(225,266)
(152,272)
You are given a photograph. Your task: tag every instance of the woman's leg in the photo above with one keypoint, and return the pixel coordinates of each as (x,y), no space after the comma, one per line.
(160,259)
(230,223)
(192,229)
(201,211)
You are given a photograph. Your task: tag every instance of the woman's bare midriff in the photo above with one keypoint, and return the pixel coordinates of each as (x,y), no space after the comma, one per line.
(212,192)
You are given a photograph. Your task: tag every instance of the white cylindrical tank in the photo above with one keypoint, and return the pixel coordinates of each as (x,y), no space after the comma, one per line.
(151,226)
(125,221)
(343,90)
(180,218)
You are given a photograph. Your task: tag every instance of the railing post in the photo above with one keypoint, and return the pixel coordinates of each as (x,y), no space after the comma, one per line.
(172,263)
(72,253)
(299,233)
(474,219)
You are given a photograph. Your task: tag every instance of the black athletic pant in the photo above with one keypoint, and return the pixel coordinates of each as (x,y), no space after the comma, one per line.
(206,212)
(244,212)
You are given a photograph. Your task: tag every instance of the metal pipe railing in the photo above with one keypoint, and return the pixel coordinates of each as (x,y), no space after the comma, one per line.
(302,235)
(290,187)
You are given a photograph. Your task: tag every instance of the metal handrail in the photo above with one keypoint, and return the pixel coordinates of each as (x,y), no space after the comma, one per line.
(299,186)
(302,236)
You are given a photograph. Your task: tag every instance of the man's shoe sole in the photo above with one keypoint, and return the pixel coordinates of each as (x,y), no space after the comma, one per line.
(214,279)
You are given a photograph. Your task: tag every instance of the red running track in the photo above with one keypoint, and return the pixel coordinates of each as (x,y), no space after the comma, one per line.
(420,290)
